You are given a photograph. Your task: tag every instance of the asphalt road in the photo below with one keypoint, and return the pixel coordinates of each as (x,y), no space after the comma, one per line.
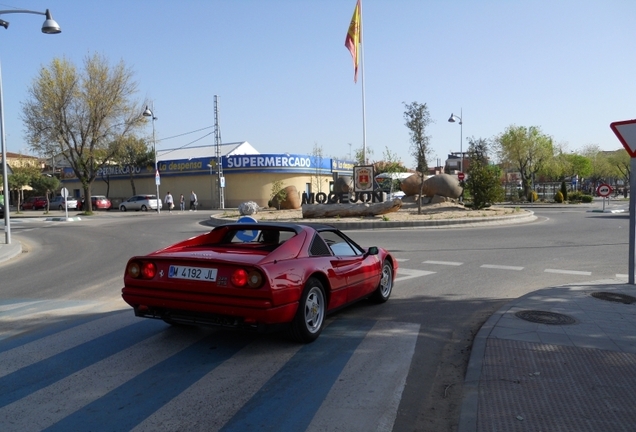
(397,366)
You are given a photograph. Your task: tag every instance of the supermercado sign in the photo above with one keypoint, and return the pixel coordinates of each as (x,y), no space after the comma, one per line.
(262,161)
(238,163)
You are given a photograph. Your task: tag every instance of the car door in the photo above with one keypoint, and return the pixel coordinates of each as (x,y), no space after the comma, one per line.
(134,202)
(350,261)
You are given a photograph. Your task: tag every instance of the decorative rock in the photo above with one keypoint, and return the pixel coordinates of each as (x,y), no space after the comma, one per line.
(248,208)
(292,201)
(441,184)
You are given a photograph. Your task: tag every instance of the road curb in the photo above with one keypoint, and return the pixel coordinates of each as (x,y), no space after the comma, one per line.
(526,216)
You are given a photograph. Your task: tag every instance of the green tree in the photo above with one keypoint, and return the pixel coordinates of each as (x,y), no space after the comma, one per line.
(81,115)
(360,156)
(133,152)
(483,180)
(278,195)
(601,168)
(621,161)
(527,149)
(21,177)
(45,185)
(417,120)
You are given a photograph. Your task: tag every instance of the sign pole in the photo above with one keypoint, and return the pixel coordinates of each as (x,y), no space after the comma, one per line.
(632,217)
(625,131)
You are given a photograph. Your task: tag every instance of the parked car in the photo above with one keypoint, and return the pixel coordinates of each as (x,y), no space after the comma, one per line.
(33,203)
(58,203)
(98,202)
(141,202)
(258,276)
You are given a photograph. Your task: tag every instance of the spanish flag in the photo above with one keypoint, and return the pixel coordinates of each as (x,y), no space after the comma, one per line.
(354,36)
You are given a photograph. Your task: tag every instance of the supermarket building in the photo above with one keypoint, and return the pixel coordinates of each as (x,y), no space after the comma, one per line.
(247,175)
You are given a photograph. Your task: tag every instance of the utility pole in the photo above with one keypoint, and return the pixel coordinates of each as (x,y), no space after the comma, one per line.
(219,157)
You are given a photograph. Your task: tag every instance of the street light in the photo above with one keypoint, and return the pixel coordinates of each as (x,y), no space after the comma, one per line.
(452,119)
(49,27)
(151,113)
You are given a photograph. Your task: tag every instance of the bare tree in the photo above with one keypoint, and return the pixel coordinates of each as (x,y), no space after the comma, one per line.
(417,120)
(81,115)
(318,155)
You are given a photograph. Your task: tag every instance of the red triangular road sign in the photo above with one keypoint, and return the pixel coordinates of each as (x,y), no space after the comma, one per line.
(626,133)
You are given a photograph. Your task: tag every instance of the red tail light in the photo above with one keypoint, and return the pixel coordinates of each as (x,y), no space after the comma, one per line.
(239,278)
(143,270)
(148,270)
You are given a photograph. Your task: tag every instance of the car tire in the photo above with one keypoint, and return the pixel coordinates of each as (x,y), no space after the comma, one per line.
(60,208)
(310,316)
(385,287)
(144,208)
(122,208)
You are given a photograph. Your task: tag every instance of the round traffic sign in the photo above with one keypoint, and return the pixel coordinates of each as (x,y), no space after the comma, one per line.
(460,176)
(604,190)
(247,235)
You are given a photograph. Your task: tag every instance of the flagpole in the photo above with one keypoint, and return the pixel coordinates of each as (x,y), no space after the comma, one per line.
(364,117)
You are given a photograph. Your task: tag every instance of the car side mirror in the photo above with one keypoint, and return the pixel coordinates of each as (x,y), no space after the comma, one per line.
(373,250)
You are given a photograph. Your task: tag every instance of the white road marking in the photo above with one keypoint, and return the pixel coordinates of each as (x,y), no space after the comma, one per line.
(622,276)
(410,274)
(448,263)
(355,403)
(570,272)
(41,349)
(402,259)
(68,395)
(501,267)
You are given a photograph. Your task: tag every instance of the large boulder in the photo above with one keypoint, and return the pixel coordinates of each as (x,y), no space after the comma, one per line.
(291,201)
(248,208)
(440,184)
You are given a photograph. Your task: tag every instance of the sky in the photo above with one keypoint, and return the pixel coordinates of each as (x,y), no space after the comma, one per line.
(284,78)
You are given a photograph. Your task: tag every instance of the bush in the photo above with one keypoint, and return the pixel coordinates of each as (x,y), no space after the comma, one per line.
(533,196)
(586,198)
(575,196)
(558,197)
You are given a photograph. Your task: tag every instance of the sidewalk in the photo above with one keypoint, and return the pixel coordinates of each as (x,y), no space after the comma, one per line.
(557,359)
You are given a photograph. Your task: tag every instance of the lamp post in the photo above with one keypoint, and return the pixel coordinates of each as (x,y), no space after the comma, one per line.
(151,113)
(452,119)
(49,27)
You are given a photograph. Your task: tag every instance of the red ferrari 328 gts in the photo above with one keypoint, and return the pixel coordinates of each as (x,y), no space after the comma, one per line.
(258,276)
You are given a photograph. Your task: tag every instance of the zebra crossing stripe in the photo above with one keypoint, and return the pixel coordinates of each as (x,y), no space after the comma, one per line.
(149,376)
(367,393)
(37,376)
(225,389)
(129,404)
(290,399)
(57,338)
